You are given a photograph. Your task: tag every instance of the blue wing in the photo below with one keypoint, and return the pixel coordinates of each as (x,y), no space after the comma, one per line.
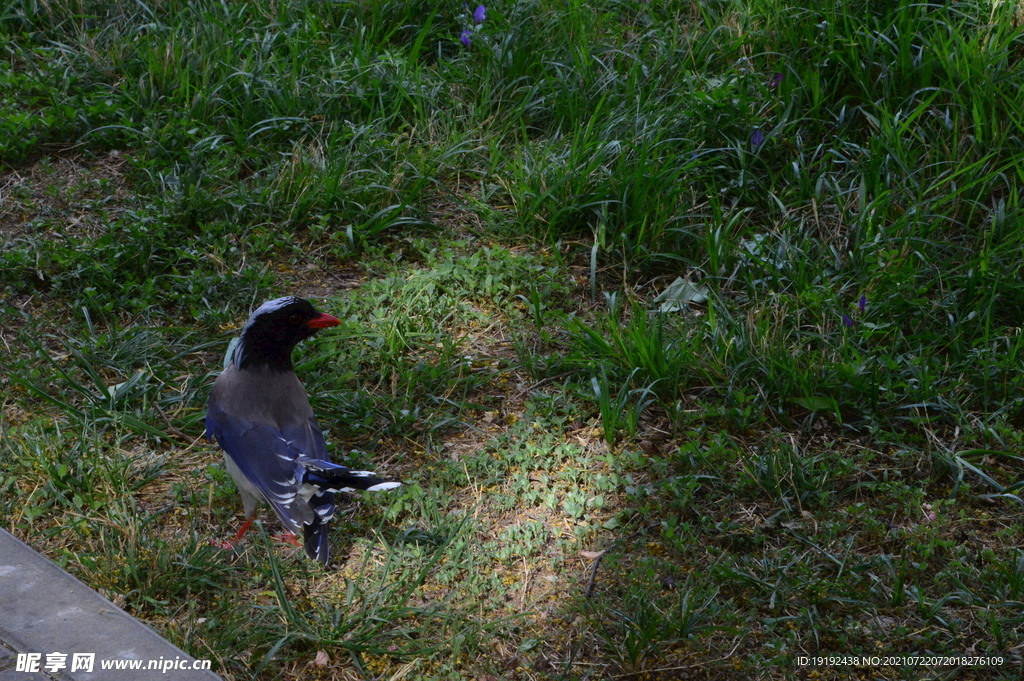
(271,459)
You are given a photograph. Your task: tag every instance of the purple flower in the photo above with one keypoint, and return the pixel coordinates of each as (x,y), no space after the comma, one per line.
(775,81)
(480,14)
(863,302)
(756,138)
(465,37)
(847,321)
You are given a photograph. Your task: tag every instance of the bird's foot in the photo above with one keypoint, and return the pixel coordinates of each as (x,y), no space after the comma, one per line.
(222,544)
(288,538)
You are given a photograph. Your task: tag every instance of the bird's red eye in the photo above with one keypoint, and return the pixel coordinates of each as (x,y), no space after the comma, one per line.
(294,318)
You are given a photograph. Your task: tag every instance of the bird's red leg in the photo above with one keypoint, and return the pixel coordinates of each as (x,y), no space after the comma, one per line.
(225,545)
(244,528)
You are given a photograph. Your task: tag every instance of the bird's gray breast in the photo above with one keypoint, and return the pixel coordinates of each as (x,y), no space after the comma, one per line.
(260,395)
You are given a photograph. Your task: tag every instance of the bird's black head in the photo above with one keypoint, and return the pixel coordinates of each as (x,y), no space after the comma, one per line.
(274,329)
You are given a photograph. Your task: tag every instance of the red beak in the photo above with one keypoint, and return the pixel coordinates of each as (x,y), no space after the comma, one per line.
(323,321)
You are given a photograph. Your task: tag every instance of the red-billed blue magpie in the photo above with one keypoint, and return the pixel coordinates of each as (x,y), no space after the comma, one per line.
(260,416)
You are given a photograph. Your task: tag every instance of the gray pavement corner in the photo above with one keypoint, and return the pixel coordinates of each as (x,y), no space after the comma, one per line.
(55,628)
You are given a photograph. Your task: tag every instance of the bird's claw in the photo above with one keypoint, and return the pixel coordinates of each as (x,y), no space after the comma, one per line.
(288,538)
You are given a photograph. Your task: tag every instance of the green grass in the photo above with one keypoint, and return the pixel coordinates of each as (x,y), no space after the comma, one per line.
(692,327)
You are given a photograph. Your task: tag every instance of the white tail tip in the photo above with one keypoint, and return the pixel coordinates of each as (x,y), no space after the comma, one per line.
(383,486)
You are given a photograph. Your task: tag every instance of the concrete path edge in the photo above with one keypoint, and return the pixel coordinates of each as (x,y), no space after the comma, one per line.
(45,610)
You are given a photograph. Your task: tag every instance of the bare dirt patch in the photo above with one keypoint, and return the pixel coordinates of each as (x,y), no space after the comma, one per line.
(72,195)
